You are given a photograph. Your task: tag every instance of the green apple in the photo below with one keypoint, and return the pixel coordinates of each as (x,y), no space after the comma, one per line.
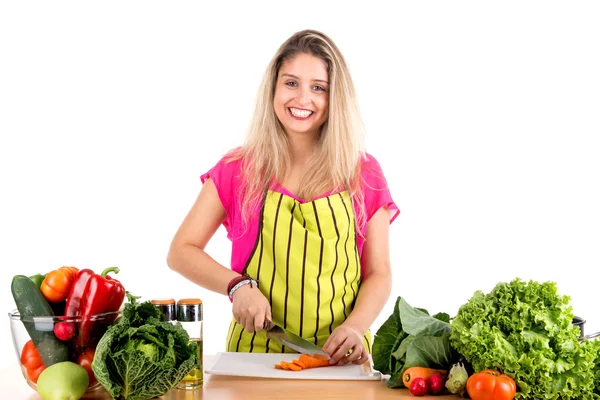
(63,381)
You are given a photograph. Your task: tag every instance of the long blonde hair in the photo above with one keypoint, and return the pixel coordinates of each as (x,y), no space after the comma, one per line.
(335,162)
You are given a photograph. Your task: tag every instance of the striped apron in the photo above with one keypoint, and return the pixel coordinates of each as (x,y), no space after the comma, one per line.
(307,264)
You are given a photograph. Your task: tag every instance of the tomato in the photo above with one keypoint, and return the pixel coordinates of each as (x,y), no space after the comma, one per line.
(31,360)
(85,360)
(57,284)
(491,385)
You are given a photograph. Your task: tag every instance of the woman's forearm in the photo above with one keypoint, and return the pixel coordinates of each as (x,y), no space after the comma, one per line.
(372,297)
(196,265)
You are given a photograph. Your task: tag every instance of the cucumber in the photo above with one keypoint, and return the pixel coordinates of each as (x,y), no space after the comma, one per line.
(32,303)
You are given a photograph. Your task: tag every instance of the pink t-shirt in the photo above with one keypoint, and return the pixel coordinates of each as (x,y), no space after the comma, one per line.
(226,177)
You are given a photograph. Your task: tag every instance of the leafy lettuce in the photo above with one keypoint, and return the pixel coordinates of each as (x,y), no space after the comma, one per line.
(411,337)
(525,330)
(141,357)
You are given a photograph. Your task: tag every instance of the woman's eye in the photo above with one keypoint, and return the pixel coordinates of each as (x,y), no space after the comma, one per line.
(319,88)
(291,83)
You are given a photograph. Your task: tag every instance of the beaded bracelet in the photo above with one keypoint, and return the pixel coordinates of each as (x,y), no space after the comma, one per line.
(247,281)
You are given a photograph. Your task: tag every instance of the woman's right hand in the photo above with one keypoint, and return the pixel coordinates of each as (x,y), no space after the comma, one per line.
(251,308)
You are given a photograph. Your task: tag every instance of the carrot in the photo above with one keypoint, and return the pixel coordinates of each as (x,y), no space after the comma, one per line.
(413,373)
(304,362)
(291,366)
(320,357)
(299,363)
(313,362)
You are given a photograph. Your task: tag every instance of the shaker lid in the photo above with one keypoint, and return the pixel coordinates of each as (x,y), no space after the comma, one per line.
(162,302)
(189,301)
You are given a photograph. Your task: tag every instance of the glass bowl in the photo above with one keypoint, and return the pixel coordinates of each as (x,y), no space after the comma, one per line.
(79,349)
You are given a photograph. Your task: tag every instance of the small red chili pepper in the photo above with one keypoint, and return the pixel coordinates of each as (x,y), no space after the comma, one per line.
(93,294)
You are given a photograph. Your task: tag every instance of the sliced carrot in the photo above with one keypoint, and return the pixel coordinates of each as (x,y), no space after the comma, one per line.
(294,367)
(299,363)
(321,357)
(305,361)
(290,366)
(313,362)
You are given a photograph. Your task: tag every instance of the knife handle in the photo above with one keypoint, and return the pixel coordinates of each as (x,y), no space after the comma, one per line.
(267,325)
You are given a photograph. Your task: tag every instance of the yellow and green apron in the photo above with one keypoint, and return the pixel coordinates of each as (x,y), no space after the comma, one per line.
(307,264)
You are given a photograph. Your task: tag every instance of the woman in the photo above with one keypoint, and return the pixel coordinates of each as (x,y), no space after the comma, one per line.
(306,209)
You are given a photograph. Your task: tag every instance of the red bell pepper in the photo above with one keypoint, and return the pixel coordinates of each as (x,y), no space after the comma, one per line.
(93,294)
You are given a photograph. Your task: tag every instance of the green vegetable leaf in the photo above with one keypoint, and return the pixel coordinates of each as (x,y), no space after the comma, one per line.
(383,344)
(416,322)
(396,364)
(137,314)
(429,351)
(400,353)
(442,316)
(395,380)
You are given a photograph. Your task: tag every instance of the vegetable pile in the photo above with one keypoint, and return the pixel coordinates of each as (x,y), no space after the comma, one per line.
(142,357)
(526,331)
(412,338)
(72,295)
(518,341)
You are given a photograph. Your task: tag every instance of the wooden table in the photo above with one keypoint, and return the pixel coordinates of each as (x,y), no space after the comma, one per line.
(218,387)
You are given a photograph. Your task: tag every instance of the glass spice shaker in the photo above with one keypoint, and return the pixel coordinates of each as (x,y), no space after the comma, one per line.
(166,308)
(189,314)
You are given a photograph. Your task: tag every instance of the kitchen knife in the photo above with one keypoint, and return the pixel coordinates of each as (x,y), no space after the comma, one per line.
(294,342)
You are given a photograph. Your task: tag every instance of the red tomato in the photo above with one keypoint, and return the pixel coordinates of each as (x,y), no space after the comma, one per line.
(85,360)
(491,385)
(31,360)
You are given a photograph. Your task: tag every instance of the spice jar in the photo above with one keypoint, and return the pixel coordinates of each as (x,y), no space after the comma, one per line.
(166,308)
(189,315)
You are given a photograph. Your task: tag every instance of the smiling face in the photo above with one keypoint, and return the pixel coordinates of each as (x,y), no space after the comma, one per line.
(301,98)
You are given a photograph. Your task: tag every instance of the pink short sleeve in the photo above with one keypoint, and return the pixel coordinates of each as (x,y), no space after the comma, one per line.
(376,191)
(225,176)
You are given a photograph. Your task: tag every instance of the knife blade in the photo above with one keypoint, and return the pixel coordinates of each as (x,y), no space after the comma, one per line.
(294,342)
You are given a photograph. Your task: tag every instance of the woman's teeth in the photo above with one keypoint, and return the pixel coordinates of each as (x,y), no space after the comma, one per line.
(300,113)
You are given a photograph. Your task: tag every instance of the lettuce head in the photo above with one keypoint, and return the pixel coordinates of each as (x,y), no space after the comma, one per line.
(525,330)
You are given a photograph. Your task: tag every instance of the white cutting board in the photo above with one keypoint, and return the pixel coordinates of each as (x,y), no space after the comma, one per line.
(262,365)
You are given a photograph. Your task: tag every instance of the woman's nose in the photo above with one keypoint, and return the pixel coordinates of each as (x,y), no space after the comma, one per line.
(304,96)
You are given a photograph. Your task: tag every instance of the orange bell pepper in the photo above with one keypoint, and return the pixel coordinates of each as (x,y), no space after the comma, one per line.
(57,284)
(31,360)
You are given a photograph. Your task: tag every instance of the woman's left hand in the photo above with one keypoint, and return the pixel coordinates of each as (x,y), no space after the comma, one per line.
(343,339)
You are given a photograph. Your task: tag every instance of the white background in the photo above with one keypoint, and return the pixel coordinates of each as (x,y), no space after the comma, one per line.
(485,117)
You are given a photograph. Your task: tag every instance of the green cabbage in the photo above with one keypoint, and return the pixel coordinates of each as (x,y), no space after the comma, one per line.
(525,330)
(141,357)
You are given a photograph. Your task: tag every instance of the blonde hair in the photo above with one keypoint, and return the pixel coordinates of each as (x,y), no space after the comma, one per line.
(335,163)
